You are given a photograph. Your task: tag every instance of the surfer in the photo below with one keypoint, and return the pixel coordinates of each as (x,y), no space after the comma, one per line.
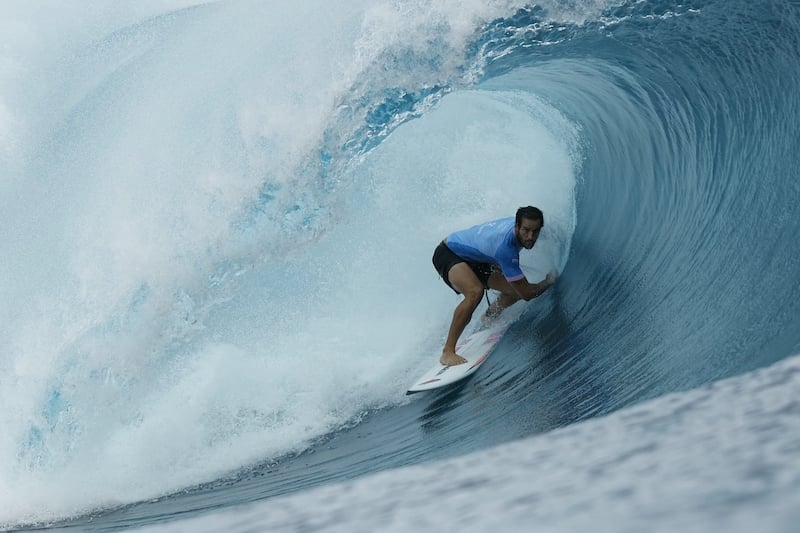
(486,256)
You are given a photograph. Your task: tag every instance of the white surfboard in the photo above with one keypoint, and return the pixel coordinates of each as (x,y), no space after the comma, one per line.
(475,348)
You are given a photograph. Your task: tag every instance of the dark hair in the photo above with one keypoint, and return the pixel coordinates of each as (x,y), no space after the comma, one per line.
(531,213)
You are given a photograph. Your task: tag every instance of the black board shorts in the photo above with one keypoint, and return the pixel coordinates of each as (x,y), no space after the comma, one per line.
(444,258)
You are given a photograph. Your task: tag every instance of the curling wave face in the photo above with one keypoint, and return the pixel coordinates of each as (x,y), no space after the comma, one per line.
(222,215)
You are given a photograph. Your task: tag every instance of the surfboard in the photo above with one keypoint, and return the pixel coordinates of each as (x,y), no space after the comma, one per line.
(475,348)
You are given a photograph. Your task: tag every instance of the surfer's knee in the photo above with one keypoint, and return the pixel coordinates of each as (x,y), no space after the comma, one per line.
(473,296)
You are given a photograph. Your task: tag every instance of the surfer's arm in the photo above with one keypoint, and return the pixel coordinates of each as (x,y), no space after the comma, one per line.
(528,291)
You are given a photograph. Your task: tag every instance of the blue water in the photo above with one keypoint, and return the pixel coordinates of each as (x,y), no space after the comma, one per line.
(218,221)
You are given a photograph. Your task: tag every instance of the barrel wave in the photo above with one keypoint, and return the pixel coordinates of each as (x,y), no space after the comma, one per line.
(219,219)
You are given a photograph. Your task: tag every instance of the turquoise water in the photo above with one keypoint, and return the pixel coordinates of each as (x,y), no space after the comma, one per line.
(219,220)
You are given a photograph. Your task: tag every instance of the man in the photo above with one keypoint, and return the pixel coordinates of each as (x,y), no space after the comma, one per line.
(486,256)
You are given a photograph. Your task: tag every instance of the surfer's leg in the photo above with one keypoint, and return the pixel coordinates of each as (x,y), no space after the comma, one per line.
(508,295)
(464,280)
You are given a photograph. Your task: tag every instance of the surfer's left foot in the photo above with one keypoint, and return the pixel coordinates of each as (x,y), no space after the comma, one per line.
(451,359)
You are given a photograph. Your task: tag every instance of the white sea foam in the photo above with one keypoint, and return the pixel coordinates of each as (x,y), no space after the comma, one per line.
(164,321)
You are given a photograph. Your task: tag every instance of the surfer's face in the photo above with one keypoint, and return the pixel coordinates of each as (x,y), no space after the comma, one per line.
(527,232)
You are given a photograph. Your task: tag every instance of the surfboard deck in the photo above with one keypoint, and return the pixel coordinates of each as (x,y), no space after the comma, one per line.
(475,348)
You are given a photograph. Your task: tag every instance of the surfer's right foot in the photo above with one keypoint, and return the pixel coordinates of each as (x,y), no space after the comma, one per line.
(451,359)
(489,316)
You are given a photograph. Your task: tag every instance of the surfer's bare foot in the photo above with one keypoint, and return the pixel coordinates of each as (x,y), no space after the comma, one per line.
(451,359)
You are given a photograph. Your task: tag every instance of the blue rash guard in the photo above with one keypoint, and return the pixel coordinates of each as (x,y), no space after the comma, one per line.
(491,242)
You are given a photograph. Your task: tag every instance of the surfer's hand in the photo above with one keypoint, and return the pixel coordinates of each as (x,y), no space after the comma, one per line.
(550,278)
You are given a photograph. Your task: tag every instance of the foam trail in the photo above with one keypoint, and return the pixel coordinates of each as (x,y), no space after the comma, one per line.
(709,457)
